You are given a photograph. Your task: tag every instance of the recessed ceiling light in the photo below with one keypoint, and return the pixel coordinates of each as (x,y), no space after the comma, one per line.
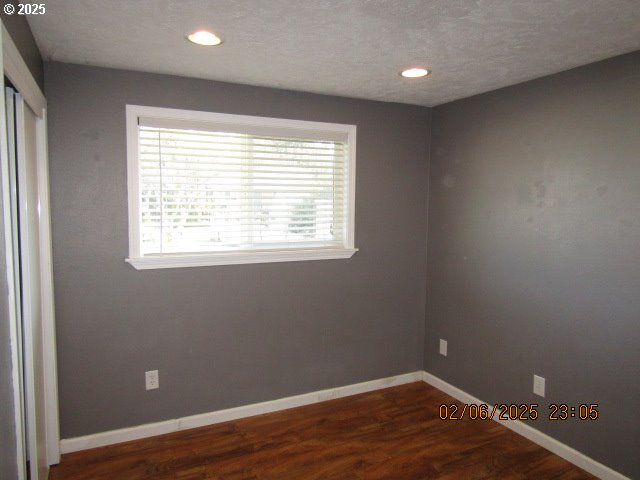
(415,72)
(202,37)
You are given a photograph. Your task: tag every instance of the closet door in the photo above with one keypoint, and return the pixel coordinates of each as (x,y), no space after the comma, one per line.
(14,264)
(30,287)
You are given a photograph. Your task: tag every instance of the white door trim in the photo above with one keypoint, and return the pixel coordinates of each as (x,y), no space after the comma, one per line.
(17,71)
(47,297)
(30,326)
(14,333)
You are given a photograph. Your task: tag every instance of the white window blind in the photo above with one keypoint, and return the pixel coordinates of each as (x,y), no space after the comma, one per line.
(219,187)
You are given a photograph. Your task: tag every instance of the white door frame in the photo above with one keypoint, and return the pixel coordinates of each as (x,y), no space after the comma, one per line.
(14,67)
(15,334)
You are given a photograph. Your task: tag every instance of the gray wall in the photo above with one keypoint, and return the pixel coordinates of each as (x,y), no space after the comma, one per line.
(228,335)
(22,36)
(534,250)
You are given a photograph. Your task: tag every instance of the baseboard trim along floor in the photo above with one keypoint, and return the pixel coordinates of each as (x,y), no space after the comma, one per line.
(194,421)
(536,436)
(151,429)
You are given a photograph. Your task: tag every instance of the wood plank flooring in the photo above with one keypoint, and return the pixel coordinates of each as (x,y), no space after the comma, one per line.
(394,433)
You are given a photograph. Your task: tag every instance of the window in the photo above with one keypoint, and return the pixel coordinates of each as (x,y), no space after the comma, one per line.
(214,189)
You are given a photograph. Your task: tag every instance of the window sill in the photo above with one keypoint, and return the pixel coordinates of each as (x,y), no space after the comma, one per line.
(237,258)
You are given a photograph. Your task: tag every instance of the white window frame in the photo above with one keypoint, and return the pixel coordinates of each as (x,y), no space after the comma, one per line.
(289,127)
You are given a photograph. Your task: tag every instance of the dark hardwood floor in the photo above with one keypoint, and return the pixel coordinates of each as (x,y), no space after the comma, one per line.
(394,433)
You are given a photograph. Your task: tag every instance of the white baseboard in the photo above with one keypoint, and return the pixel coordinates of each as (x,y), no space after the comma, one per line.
(150,429)
(586,463)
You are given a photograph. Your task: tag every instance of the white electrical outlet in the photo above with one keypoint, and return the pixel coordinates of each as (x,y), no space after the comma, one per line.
(443,347)
(538,385)
(151,380)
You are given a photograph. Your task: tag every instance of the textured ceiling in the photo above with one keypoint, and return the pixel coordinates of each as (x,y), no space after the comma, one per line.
(352,48)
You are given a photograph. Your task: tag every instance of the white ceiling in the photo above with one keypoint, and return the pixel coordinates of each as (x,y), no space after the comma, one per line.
(352,48)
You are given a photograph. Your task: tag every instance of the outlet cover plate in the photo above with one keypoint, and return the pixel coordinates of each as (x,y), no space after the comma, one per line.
(538,385)
(443,347)
(151,380)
